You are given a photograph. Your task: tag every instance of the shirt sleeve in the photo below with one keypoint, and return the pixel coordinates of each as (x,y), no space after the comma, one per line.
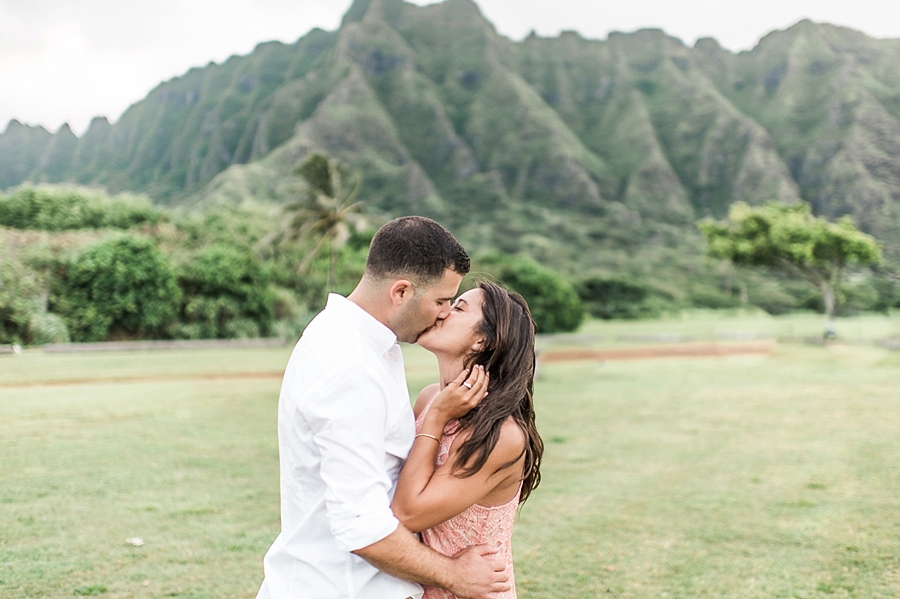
(347,415)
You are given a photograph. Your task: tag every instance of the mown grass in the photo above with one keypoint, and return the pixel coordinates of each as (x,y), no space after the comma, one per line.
(188,466)
(766,476)
(740,477)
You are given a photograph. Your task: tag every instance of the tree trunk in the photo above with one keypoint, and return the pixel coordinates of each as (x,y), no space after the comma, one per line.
(331,266)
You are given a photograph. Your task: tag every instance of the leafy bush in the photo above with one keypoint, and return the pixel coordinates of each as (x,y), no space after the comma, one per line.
(20,292)
(553,301)
(610,298)
(311,287)
(888,289)
(45,327)
(773,299)
(51,208)
(710,297)
(122,287)
(226,295)
(859,297)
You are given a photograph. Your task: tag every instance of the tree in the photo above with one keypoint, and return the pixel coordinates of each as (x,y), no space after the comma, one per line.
(225,294)
(609,298)
(120,287)
(64,208)
(554,303)
(792,239)
(326,211)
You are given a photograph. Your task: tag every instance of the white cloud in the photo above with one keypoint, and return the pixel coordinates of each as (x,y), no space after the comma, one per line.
(69,60)
(63,61)
(737,25)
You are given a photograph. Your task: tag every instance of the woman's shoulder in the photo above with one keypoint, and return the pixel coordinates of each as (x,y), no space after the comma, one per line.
(511,441)
(425,396)
(509,447)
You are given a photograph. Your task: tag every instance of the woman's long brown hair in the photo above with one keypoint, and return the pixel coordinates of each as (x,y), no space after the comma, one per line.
(508,355)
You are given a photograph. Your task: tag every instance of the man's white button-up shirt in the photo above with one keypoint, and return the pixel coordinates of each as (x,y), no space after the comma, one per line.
(345,428)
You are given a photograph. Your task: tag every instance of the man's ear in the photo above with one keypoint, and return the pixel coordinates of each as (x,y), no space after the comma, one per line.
(401,291)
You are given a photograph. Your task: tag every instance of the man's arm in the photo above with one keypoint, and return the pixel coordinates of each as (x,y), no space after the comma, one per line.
(471,574)
(348,421)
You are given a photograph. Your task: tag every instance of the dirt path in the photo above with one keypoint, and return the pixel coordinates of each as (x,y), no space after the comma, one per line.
(681,350)
(162,378)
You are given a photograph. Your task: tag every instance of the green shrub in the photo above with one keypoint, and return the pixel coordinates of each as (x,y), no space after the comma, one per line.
(120,288)
(226,295)
(888,289)
(54,208)
(20,293)
(772,299)
(610,298)
(553,301)
(709,297)
(291,316)
(45,327)
(861,296)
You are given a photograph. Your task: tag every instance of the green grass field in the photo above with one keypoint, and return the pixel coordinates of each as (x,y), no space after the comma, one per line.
(750,476)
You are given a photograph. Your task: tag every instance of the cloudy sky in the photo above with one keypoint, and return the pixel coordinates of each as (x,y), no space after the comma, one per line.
(68,60)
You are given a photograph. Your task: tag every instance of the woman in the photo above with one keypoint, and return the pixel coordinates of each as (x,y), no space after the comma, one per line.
(467,473)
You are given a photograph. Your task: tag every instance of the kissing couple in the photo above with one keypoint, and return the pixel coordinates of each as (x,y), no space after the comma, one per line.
(383,501)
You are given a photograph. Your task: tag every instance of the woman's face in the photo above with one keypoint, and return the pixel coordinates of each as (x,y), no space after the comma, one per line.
(457,334)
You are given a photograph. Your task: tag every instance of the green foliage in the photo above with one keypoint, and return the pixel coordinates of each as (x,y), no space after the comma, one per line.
(53,208)
(20,291)
(326,212)
(225,294)
(788,237)
(553,300)
(888,288)
(120,288)
(792,239)
(773,299)
(707,297)
(321,176)
(610,298)
(312,286)
(639,131)
(46,327)
(859,296)
(24,284)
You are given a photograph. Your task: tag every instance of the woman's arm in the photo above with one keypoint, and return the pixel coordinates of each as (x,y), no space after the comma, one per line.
(427,496)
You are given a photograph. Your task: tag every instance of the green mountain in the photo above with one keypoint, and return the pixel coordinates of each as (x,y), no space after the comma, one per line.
(592,155)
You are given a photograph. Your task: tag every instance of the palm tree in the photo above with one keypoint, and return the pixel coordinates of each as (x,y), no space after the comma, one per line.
(326,211)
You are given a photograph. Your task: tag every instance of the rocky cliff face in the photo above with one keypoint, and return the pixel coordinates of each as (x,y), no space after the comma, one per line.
(544,144)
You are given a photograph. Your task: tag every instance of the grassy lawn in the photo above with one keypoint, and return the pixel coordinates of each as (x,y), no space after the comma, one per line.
(750,476)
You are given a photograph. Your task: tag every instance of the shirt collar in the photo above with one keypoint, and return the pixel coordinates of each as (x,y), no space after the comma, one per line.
(381,337)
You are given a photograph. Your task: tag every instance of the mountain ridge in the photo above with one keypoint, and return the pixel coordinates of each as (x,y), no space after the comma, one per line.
(564,146)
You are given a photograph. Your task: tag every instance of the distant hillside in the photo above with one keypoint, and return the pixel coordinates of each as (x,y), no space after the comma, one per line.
(595,153)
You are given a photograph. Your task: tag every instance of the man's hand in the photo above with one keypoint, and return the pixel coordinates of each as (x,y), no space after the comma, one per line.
(479,572)
(470,574)
(460,395)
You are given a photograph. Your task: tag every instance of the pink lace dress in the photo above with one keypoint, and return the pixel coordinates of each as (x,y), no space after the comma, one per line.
(477,525)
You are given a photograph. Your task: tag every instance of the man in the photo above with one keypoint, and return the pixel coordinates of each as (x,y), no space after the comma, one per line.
(345,427)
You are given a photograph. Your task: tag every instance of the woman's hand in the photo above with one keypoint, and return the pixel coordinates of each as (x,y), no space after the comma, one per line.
(460,395)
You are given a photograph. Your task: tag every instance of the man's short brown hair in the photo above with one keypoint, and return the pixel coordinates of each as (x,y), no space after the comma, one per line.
(416,248)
